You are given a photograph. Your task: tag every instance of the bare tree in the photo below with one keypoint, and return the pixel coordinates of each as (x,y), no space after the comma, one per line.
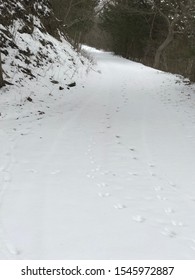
(77,17)
(175,13)
(1,74)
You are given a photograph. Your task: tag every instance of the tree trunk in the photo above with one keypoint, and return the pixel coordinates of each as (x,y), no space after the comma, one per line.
(1,74)
(68,10)
(162,47)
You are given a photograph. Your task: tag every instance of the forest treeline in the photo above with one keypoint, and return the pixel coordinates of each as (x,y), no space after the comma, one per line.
(158,33)
(76,16)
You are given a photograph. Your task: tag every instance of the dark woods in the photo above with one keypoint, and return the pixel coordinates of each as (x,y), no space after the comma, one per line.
(158,33)
(76,16)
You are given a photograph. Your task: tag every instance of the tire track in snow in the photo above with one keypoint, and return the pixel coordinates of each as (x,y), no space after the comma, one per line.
(118,145)
(116,141)
(7,248)
(156,179)
(162,184)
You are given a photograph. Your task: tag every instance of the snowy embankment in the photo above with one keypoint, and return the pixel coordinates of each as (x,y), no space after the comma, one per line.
(41,68)
(106,173)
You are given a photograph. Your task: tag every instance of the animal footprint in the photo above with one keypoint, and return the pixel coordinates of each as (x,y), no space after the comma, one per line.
(7,177)
(93,170)
(169,211)
(2,168)
(107,194)
(193,246)
(180,224)
(133,173)
(90,176)
(105,172)
(173,185)
(102,184)
(151,165)
(168,232)
(139,219)
(12,249)
(119,206)
(161,197)
(55,172)
(97,168)
(158,188)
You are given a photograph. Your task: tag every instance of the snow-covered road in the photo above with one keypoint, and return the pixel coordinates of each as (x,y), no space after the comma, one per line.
(107,173)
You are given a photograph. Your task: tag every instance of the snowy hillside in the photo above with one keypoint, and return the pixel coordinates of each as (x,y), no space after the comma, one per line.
(34,62)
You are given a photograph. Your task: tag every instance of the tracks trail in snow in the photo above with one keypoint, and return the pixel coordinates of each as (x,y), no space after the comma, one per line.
(105,169)
(142,167)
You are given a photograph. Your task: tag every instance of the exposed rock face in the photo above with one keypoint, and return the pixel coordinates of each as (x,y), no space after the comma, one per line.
(29,14)
(25,44)
(27,11)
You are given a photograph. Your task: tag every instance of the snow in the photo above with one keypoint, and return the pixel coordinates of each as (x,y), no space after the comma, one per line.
(104,170)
